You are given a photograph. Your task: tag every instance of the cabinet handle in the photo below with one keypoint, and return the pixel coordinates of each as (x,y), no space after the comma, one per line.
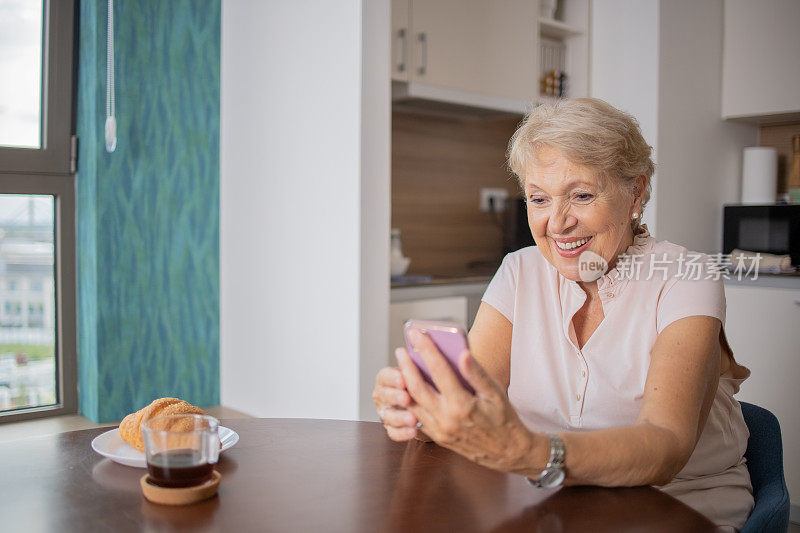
(423,39)
(401,34)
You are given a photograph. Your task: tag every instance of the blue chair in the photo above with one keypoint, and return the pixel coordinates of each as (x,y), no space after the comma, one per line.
(765,463)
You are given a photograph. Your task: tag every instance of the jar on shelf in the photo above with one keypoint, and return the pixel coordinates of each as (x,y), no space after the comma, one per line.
(398,263)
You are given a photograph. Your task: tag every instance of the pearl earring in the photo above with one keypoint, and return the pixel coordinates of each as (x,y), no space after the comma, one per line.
(635,216)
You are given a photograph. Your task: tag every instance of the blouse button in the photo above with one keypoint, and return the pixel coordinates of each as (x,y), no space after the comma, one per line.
(579,397)
(583,374)
(610,294)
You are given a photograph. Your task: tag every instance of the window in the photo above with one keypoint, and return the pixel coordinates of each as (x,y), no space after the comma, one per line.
(37,210)
(20,116)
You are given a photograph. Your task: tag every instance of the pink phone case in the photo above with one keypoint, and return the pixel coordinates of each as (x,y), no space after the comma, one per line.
(448,338)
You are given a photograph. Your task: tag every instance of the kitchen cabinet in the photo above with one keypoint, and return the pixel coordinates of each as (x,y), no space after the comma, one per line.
(482,53)
(761,49)
(763,327)
(400,37)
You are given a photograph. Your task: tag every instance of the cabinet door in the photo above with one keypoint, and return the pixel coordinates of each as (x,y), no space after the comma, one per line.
(763,327)
(761,47)
(401,47)
(480,46)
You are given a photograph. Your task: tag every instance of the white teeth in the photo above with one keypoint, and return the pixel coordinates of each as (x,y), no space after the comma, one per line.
(571,245)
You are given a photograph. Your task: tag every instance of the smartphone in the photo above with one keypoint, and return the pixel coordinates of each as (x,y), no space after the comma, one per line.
(449,338)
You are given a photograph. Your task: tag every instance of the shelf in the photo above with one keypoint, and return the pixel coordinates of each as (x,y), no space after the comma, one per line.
(556,29)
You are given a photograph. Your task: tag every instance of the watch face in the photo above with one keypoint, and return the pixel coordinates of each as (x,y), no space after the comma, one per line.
(551,477)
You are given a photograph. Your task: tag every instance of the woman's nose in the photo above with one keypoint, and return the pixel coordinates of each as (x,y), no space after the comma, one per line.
(561,218)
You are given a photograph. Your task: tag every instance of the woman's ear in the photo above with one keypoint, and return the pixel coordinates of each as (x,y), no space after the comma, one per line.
(638,191)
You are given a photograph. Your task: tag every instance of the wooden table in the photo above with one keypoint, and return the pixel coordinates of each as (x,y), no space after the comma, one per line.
(314,475)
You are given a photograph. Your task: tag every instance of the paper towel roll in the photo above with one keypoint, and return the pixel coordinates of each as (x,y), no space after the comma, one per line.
(759,175)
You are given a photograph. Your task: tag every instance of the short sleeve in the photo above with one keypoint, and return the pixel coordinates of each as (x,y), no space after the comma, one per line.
(501,292)
(690,297)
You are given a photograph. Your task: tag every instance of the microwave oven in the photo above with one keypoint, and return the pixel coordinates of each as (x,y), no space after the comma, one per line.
(771,229)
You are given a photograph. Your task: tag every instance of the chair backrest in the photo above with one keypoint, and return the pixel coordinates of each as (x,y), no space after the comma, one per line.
(765,463)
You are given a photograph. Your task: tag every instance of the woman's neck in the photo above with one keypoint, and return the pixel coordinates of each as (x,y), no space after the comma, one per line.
(626,243)
(590,287)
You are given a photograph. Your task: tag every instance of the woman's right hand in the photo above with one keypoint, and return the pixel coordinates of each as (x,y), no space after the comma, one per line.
(392,400)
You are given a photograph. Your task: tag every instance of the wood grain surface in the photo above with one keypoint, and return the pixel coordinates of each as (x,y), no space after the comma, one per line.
(315,475)
(439,166)
(780,137)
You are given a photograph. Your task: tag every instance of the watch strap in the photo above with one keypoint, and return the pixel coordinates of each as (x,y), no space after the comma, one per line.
(555,462)
(556,451)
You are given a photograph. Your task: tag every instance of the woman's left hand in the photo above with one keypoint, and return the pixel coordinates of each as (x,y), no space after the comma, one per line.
(483,427)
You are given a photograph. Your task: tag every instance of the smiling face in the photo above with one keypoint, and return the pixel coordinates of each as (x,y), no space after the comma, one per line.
(571,210)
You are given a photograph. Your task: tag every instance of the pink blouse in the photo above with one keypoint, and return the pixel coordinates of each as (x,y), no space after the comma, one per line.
(557,387)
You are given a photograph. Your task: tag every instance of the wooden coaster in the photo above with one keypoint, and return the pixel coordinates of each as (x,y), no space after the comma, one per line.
(182,495)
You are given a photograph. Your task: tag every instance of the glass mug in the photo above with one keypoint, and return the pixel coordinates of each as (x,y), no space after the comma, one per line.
(181,450)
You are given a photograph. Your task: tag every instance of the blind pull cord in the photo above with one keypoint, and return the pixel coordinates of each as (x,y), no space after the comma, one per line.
(111,121)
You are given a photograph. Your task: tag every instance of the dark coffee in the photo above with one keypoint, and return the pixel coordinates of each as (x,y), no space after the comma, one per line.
(179,468)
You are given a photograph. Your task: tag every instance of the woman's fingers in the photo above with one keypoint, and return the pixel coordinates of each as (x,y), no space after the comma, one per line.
(390,397)
(398,418)
(418,388)
(477,376)
(390,389)
(401,434)
(390,376)
(400,424)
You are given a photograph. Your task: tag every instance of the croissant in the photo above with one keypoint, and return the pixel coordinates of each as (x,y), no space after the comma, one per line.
(131,426)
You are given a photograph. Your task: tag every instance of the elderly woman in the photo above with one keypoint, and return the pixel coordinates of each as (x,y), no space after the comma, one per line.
(617,376)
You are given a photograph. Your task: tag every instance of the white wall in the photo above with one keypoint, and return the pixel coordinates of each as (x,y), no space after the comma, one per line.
(699,153)
(624,68)
(662,61)
(304,218)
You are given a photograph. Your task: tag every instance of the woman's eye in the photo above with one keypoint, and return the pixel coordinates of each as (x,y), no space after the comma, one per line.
(535,200)
(584,197)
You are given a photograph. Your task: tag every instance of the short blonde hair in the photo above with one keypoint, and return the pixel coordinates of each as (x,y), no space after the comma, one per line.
(588,132)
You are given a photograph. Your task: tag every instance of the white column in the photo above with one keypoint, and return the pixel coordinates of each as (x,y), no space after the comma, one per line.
(304,192)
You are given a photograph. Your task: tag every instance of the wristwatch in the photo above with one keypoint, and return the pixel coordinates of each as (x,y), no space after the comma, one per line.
(553,474)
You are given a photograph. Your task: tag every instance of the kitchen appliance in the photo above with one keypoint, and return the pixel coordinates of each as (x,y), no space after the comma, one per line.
(767,228)
(516,232)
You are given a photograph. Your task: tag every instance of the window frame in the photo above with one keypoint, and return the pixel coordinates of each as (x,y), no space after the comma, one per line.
(54,155)
(63,190)
(50,170)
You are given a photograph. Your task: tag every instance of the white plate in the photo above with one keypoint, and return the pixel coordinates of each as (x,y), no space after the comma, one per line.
(111,445)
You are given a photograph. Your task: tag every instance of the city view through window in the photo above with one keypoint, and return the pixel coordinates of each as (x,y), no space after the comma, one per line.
(27,302)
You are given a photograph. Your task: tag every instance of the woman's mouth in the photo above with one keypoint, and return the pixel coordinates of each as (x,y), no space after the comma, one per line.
(572,247)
